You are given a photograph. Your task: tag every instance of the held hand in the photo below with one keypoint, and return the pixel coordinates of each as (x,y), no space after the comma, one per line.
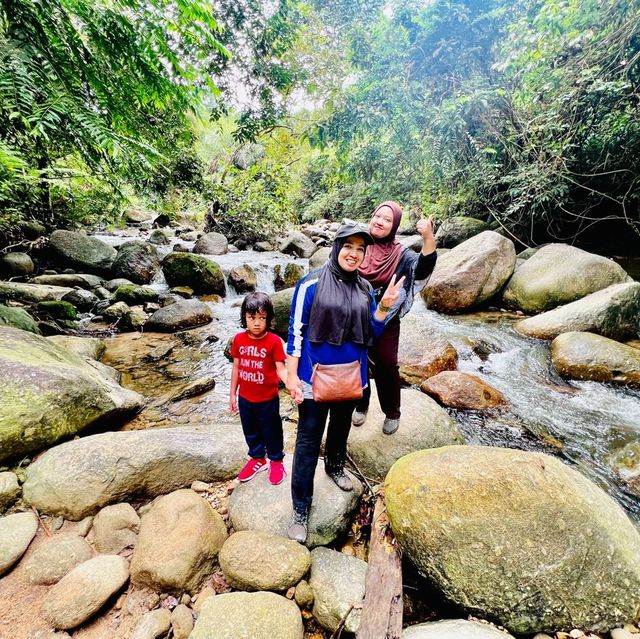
(425,228)
(392,293)
(294,386)
(233,405)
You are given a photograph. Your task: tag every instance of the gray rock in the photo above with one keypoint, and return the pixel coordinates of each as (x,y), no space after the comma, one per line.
(16,533)
(52,560)
(82,299)
(161,237)
(558,274)
(319,258)
(262,247)
(578,355)
(257,505)
(337,582)
(9,489)
(15,264)
(82,252)
(282,310)
(49,393)
(181,621)
(18,318)
(179,316)
(454,629)
(136,261)
(83,591)
(455,230)
(115,527)
(134,320)
(116,311)
(254,560)
(243,278)
(414,242)
(82,280)
(626,465)
(288,276)
(613,312)
(153,624)
(199,273)
(299,244)
(31,293)
(137,216)
(77,478)
(114,284)
(211,244)
(32,230)
(304,594)
(180,538)
(85,347)
(132,294)
(517,537)
(259,615)
(423,424)
(196,387)
(471,273)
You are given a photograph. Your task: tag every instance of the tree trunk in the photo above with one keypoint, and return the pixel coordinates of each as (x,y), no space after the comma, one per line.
(382,607)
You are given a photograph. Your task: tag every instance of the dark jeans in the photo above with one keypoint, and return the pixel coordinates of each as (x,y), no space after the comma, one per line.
(262,428)
(383,357)
(313,417)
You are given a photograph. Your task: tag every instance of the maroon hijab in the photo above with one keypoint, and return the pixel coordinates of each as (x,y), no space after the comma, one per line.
(382,258)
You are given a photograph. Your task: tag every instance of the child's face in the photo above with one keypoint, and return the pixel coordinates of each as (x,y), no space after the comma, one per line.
(256,323)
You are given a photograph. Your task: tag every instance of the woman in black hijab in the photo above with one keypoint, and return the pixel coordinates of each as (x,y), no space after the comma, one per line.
(334,318)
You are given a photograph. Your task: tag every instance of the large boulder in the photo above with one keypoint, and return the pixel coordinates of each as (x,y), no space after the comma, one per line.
(257,505)
(454,629)
(83,591)
(179,316)
(79,477)
(613,312)
(578,355)
(81,252)
(287,276)
(337,582)
(243,278)
(15,264)
(18,318)
(471,273)
(211,244)
(16,533)
(423,424)
(517,537)
(299,244)
(558,274)
(259,615)
(180,538)
(71,280)
(255,560)
(85,347)
(319,258)
(423,353)
(457,229)
(463,391)
(32,293)
(137,216)
(48,393)
(132,294)
(136,261)
(282,310)
(195,271)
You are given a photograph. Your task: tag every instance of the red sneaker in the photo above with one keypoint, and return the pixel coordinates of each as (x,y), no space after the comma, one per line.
(252,468)
(277,473)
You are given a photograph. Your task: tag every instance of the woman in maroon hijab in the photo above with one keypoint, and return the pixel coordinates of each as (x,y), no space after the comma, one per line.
(386,257)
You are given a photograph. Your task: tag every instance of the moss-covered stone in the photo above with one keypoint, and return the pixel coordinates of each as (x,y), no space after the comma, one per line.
(282,310)
(517,537)
(58,309)
(82,252)
(132,294)
(198,272)
(48,393)
(288,276)
(18,318)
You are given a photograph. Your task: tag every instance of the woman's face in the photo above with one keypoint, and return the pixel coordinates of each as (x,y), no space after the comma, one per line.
(352,253)
(381,223)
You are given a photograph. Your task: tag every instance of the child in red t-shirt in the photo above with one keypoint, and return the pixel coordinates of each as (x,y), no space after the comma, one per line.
(258,362)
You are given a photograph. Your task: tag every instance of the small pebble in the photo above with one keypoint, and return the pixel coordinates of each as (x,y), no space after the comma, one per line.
(56,523)
(153,601)
(181,622)
(291,592)
(200,486)
(84,526)
(185,599)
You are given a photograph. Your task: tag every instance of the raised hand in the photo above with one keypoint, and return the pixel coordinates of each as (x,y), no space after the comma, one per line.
(392,294)
(425,227)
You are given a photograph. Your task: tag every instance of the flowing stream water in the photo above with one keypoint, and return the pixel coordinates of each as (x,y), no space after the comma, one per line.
(585,423)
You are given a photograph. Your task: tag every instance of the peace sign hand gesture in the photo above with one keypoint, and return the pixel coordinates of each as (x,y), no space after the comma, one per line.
(390,297)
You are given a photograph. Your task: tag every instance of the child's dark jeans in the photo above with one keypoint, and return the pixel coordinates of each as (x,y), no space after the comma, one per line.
(262,428)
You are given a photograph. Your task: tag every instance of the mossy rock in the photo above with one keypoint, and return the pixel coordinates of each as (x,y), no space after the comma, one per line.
(282,310)
(132,294)
(18,318)
(197,272)
(59,309)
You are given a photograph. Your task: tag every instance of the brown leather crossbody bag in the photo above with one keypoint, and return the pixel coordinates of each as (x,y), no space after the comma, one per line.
(336,382)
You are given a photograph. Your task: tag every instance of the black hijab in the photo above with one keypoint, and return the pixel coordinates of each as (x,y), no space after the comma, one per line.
(341,308)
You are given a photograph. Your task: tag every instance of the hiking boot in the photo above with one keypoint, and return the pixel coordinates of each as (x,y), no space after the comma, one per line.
(390,426)
(358,417)
(341,480)
(298,527)
(277,473)
(252,468)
